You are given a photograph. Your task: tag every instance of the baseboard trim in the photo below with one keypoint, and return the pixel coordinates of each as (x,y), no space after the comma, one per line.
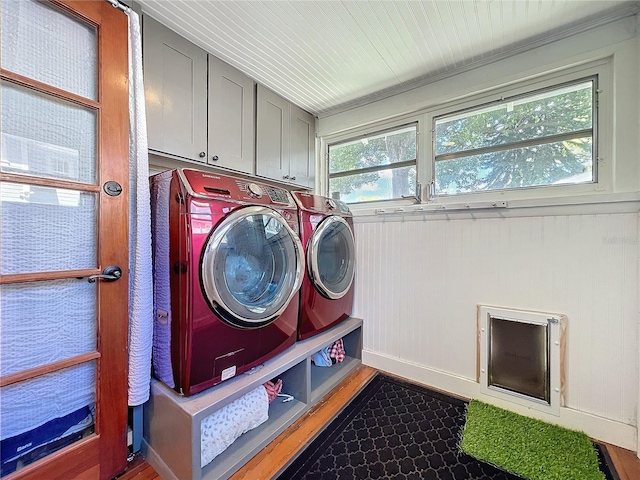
(598,428)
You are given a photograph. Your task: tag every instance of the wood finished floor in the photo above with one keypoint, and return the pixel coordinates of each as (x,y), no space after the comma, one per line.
(277,455)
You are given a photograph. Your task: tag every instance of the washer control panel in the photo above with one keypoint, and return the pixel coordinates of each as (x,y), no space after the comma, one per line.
(213,185)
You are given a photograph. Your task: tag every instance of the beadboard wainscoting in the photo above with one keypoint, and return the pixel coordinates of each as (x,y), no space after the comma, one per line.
(419,281)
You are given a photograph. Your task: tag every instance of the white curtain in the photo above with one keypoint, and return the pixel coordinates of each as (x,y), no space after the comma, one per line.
(140,276)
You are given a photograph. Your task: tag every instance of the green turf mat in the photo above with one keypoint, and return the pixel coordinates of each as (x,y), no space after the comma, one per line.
(527,447)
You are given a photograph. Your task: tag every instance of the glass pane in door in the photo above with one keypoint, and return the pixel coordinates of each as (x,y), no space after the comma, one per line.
(36,315)
(67,60)
(46,413)
(46,229)
(48,137)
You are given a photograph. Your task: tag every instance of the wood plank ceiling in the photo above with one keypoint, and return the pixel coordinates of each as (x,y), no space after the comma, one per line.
(329,56)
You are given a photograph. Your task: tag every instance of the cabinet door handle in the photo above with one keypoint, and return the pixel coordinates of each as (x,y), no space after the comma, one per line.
(293,178)
(202,154)
(286,177)
(215,158)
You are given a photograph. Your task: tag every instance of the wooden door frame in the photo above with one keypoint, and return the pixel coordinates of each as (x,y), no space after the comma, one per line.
(104,454)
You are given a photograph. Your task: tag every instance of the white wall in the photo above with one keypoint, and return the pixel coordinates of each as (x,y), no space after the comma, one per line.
(421,276)
(419,282)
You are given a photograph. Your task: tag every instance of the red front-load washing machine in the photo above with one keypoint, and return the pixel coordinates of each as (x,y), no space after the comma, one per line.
(326,295)
(235,267)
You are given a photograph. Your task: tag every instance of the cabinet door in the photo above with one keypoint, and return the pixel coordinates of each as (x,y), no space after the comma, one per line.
(302,165)
(272,135)
(231,117)
(175,77)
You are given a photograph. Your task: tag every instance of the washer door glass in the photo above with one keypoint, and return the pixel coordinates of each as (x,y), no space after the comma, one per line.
(331,257)
(251,267)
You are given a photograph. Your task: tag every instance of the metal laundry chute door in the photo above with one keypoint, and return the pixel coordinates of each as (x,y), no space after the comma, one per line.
(331,257)
(251,267)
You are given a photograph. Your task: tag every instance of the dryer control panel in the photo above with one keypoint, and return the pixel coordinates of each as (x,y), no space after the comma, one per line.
(320,204)
(236,189)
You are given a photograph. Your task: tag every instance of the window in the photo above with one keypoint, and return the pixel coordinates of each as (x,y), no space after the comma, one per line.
(545,137)
(381,166)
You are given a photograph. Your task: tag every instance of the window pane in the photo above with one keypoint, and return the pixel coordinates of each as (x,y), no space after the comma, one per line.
(369,187)
(67,60)
(564,110)
(47,137)
(46,413)
(383,149)
(44,322)
(567,162)
(45,229)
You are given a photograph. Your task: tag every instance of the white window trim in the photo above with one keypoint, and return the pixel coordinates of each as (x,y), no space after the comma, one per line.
(603,145)
(603,68)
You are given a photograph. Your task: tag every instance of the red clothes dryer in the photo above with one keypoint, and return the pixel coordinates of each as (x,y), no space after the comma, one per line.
(326,230)
(235,265)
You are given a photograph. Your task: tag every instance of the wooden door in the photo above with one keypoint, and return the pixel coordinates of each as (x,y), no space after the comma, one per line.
(64,123)
(175,77)
(231,117)
(272,135)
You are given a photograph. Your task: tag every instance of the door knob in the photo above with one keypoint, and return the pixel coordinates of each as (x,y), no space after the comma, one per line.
(110,274)
(202,154)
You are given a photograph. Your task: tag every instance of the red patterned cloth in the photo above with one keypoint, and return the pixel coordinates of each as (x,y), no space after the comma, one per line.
(273,389)
(337,351)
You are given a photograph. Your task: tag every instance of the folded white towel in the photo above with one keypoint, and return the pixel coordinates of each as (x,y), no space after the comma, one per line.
(222,428)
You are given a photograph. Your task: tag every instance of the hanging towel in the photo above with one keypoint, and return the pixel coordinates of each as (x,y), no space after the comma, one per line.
(140,287)
(160,191)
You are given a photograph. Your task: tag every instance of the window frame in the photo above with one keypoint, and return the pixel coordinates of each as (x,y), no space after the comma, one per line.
(603,139)
(378,130)
(530,142)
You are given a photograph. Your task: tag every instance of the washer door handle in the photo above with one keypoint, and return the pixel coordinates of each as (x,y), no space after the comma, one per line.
(110,274)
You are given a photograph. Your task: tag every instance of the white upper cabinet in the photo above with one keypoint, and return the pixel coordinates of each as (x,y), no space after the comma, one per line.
(203,109)
(302,165)
(285,140)
(231,117)
(272,135)
(175,76)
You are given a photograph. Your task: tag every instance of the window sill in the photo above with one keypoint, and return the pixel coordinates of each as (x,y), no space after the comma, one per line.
(575,205)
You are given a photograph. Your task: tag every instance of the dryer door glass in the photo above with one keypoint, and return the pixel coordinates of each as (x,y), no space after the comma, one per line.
(251,267)
(331,257)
